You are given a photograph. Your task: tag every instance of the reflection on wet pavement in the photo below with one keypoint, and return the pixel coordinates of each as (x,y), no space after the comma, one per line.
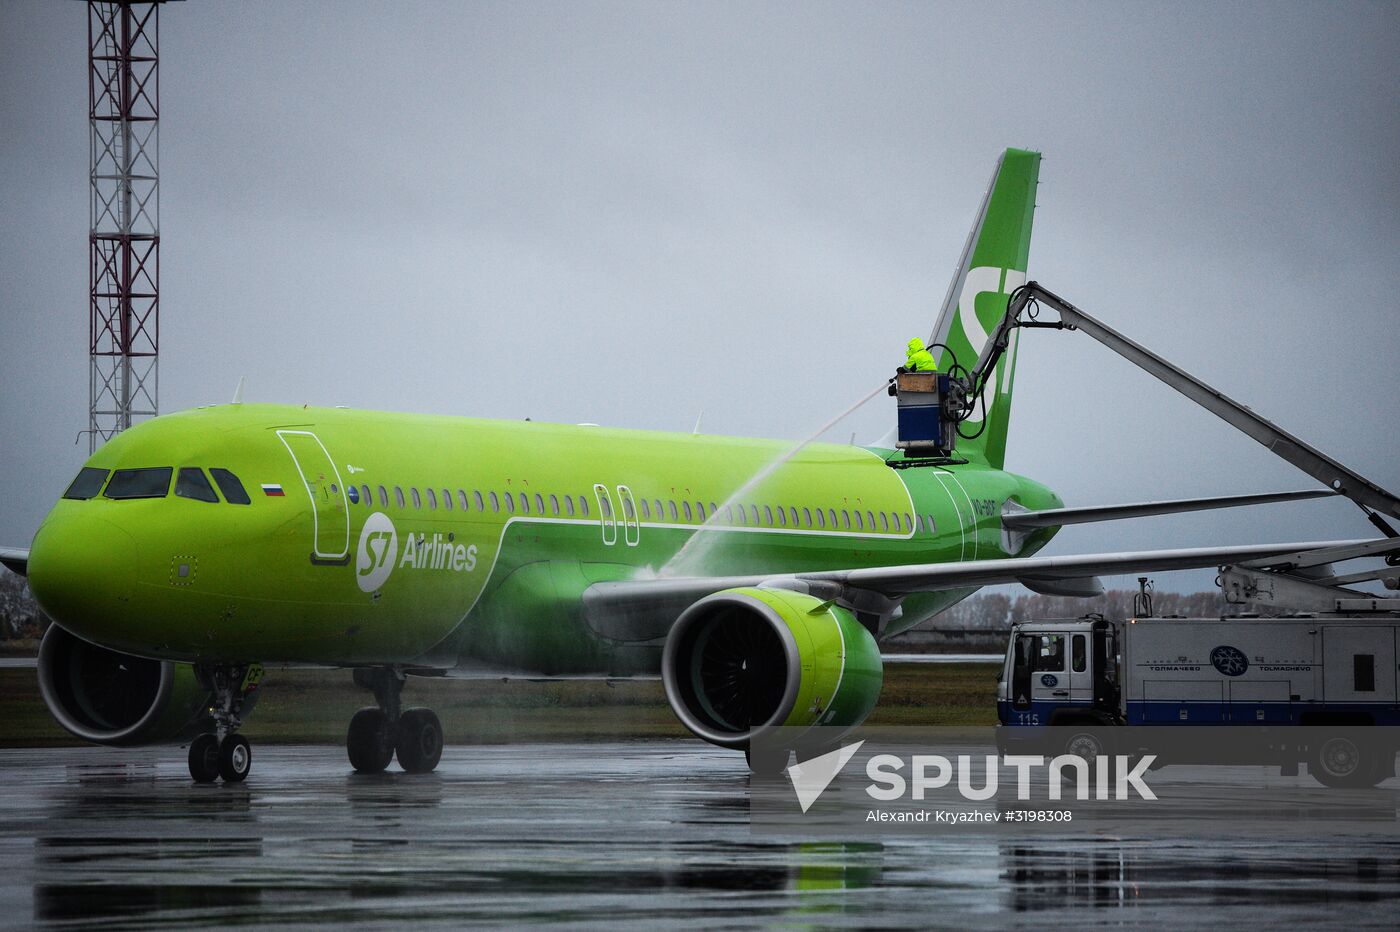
(646,833)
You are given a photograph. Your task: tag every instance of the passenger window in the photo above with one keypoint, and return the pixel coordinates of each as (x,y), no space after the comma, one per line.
(714,509)
(782,517)
(646,509)
(728,514)
(767,516)
(351,492)
(447,499)
(1080,657)
(510,502)
(462,499)
(908,523)
(432,500)
(1050,658)
(821,519)
(657,509)
(495,503)
(628,511)
(831,517)
(583,505)
(753,514)
(672,505)
(792,515)
(368,498)
(806,517)
(700,511)
(554,504)
(871,519)
(228,484)
(87,484)
(524,503)
(480,502)
(383,497)
(569,505)
(742,514)
(860,524)
(605,506)
(845,519)
(932,528)
(688,515)
(140,483)
(884,522)
(417,499)
(539,504)
(398,496)
(190,483)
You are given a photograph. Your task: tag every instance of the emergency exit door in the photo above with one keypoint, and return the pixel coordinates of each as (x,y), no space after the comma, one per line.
(606,516)
(330,522)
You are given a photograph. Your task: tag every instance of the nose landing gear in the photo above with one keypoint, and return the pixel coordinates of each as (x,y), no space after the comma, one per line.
(379,732)
(224,753)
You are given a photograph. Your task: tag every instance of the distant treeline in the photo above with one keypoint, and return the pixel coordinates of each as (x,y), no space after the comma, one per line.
(19,613)
(996,610)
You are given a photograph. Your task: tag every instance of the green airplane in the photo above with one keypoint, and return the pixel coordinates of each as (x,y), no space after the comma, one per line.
(196,547)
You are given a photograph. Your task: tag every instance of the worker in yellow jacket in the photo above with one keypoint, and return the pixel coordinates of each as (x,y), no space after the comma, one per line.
(918,358)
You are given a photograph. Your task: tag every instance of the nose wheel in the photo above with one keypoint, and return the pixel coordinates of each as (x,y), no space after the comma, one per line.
(225,754)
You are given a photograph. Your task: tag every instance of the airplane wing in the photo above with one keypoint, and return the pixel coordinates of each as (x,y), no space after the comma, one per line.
(15,559)
(643,609)
(1059,517)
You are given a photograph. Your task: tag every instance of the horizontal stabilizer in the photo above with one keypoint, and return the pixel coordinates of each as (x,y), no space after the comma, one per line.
(15,559)
(1059,517)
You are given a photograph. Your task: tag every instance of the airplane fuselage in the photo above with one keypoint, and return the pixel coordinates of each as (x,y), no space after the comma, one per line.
(456,543)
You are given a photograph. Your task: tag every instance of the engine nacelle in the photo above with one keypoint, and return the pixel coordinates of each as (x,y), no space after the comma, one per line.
(742,661)
(107,697)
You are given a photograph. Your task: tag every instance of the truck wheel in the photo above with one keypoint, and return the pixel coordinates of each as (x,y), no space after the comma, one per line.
(1343,761)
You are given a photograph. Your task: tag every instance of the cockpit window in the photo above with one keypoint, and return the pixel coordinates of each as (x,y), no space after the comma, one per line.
(190,483)
(88,483)
(153,482)
(230,486)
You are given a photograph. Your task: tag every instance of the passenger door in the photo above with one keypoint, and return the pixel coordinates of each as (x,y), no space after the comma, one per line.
(331,536)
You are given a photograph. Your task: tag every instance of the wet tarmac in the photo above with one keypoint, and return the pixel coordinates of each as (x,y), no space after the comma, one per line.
(641,834)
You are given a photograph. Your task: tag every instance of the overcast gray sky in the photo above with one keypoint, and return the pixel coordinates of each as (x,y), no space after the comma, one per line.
(625,213)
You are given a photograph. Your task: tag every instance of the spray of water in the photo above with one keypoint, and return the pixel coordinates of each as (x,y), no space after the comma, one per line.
(701,543)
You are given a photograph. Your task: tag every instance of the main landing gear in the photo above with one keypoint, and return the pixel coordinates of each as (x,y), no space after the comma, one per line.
(224,753)
(377,734)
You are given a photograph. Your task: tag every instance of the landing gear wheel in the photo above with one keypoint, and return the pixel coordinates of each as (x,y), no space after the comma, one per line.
(370,741)
(204,759)
(766,762)
(420,741)
(235,758)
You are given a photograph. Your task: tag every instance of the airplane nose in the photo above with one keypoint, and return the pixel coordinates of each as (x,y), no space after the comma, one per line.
(82,571)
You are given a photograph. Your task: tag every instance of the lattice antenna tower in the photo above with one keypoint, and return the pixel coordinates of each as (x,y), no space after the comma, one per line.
(124,234)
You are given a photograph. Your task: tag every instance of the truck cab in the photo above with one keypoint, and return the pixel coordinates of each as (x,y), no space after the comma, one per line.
(1060,673)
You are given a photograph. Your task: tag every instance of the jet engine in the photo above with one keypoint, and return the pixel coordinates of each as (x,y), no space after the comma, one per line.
(742,661)
(107,697)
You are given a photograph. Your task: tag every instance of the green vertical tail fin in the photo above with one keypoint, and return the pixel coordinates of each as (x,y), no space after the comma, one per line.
(993,265)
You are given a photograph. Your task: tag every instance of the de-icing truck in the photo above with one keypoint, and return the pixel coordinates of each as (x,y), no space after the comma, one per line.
(1092,675)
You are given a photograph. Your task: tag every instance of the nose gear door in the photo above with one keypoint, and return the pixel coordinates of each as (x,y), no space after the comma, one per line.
(331,537)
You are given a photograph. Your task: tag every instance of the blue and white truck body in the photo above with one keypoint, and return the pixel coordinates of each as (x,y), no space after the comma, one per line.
(1326,670)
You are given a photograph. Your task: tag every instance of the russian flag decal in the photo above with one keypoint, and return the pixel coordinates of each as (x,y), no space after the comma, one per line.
(273,489)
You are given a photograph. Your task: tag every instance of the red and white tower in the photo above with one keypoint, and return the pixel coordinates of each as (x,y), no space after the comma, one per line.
(124,267)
